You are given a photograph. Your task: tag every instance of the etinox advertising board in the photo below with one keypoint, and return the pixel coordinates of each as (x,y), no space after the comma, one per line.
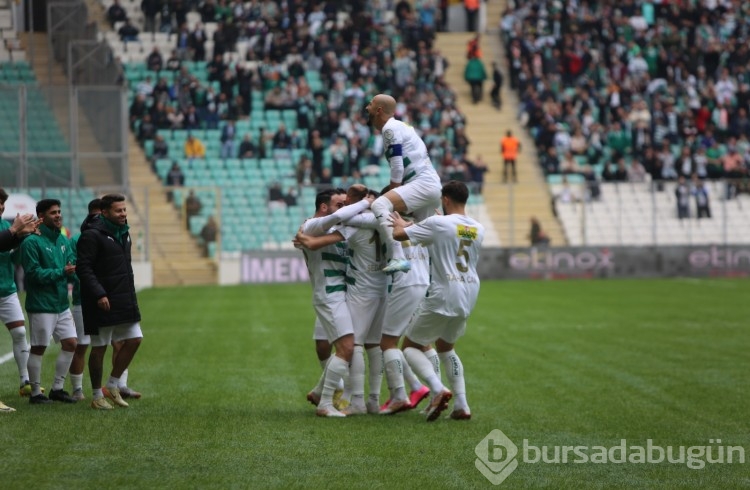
(547,263)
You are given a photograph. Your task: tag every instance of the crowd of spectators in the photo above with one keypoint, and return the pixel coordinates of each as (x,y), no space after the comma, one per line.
(356,56)
(618,90)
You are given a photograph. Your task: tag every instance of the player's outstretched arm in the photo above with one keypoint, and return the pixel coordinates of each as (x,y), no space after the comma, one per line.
(318,242)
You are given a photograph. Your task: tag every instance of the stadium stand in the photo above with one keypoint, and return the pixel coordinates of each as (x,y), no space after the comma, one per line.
(311,70)
(634,92)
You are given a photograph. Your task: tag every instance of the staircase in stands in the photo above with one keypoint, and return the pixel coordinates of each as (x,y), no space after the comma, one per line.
(175,256)
(510,206)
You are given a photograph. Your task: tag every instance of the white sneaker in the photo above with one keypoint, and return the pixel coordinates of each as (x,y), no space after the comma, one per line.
(401,265)
(373,407)
(5,408)
(329,411)
(354,410)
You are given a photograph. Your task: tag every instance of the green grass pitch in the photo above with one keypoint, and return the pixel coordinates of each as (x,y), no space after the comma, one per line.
(224,372)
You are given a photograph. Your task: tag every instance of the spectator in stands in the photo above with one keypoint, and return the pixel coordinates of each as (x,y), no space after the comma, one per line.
(147,130)
(702,203)
(175,118)
(138,109)
(194,147)
(281,139)
(291,196)
(216,68)
(128,32)
(537,236)
(339,158)
(247,148)
(159,115)
(193,207)
(276,196)
(475,75)
(145,87)
(174,62)
(165,23)
(155,61)
(682,195)
(115,13)
(497,86)
(550,161)
(305,173)
(476,169)
(209,232)
(174,178)
(191,119)
(615,173)
(636,172)
(149,8)
(197,43)
(207,10)
(228,135)
(161,149)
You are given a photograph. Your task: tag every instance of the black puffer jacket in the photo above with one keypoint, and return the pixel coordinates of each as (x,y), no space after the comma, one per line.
(104,269)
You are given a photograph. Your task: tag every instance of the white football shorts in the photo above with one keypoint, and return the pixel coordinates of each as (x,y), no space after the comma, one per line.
(367,317)
(335,318)
(59,326)
(427,326)
(116,333)
(10,309)
(400,307)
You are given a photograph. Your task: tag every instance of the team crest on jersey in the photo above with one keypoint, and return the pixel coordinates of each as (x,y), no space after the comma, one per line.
(388,136)
(466,232)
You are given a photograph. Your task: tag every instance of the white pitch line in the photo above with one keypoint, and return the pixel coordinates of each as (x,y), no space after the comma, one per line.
(5,358)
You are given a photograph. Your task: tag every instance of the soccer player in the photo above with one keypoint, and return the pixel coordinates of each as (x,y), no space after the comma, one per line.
(454,241)
(406,293)
(48,264)
(79,356)
(414,186)
(108,298)
(365,297)
(10,310)
(22,227)
(327,270)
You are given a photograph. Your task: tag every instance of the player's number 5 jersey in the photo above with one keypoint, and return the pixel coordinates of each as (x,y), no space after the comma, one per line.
(454,242)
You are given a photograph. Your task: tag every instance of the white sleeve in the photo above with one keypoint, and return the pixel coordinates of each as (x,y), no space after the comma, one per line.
(319,226)
(394,151)
(364,220)
(422,232)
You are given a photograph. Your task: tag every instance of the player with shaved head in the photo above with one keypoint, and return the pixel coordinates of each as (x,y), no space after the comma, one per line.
(415,185)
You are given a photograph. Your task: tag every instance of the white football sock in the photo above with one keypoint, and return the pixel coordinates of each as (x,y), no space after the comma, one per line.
(113,382)
(409,376)
(382,208)
(394,369)
(424,369)
(62,366)
(319,386)
(337,369)
(77,381)
(432,355)
(454,372)
(323,363)
(97,393)
(357,376)
(35,373)
(20,352)
(375,363)
(123,380)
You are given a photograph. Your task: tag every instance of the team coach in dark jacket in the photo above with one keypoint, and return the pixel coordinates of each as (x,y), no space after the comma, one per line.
(108,300)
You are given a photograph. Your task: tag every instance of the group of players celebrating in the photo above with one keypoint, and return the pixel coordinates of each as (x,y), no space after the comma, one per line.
(423,293)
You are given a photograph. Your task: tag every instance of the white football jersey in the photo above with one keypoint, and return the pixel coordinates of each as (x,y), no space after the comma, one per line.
(454,242)
(366,261)
(419,275)
(406,152)
(326,267)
